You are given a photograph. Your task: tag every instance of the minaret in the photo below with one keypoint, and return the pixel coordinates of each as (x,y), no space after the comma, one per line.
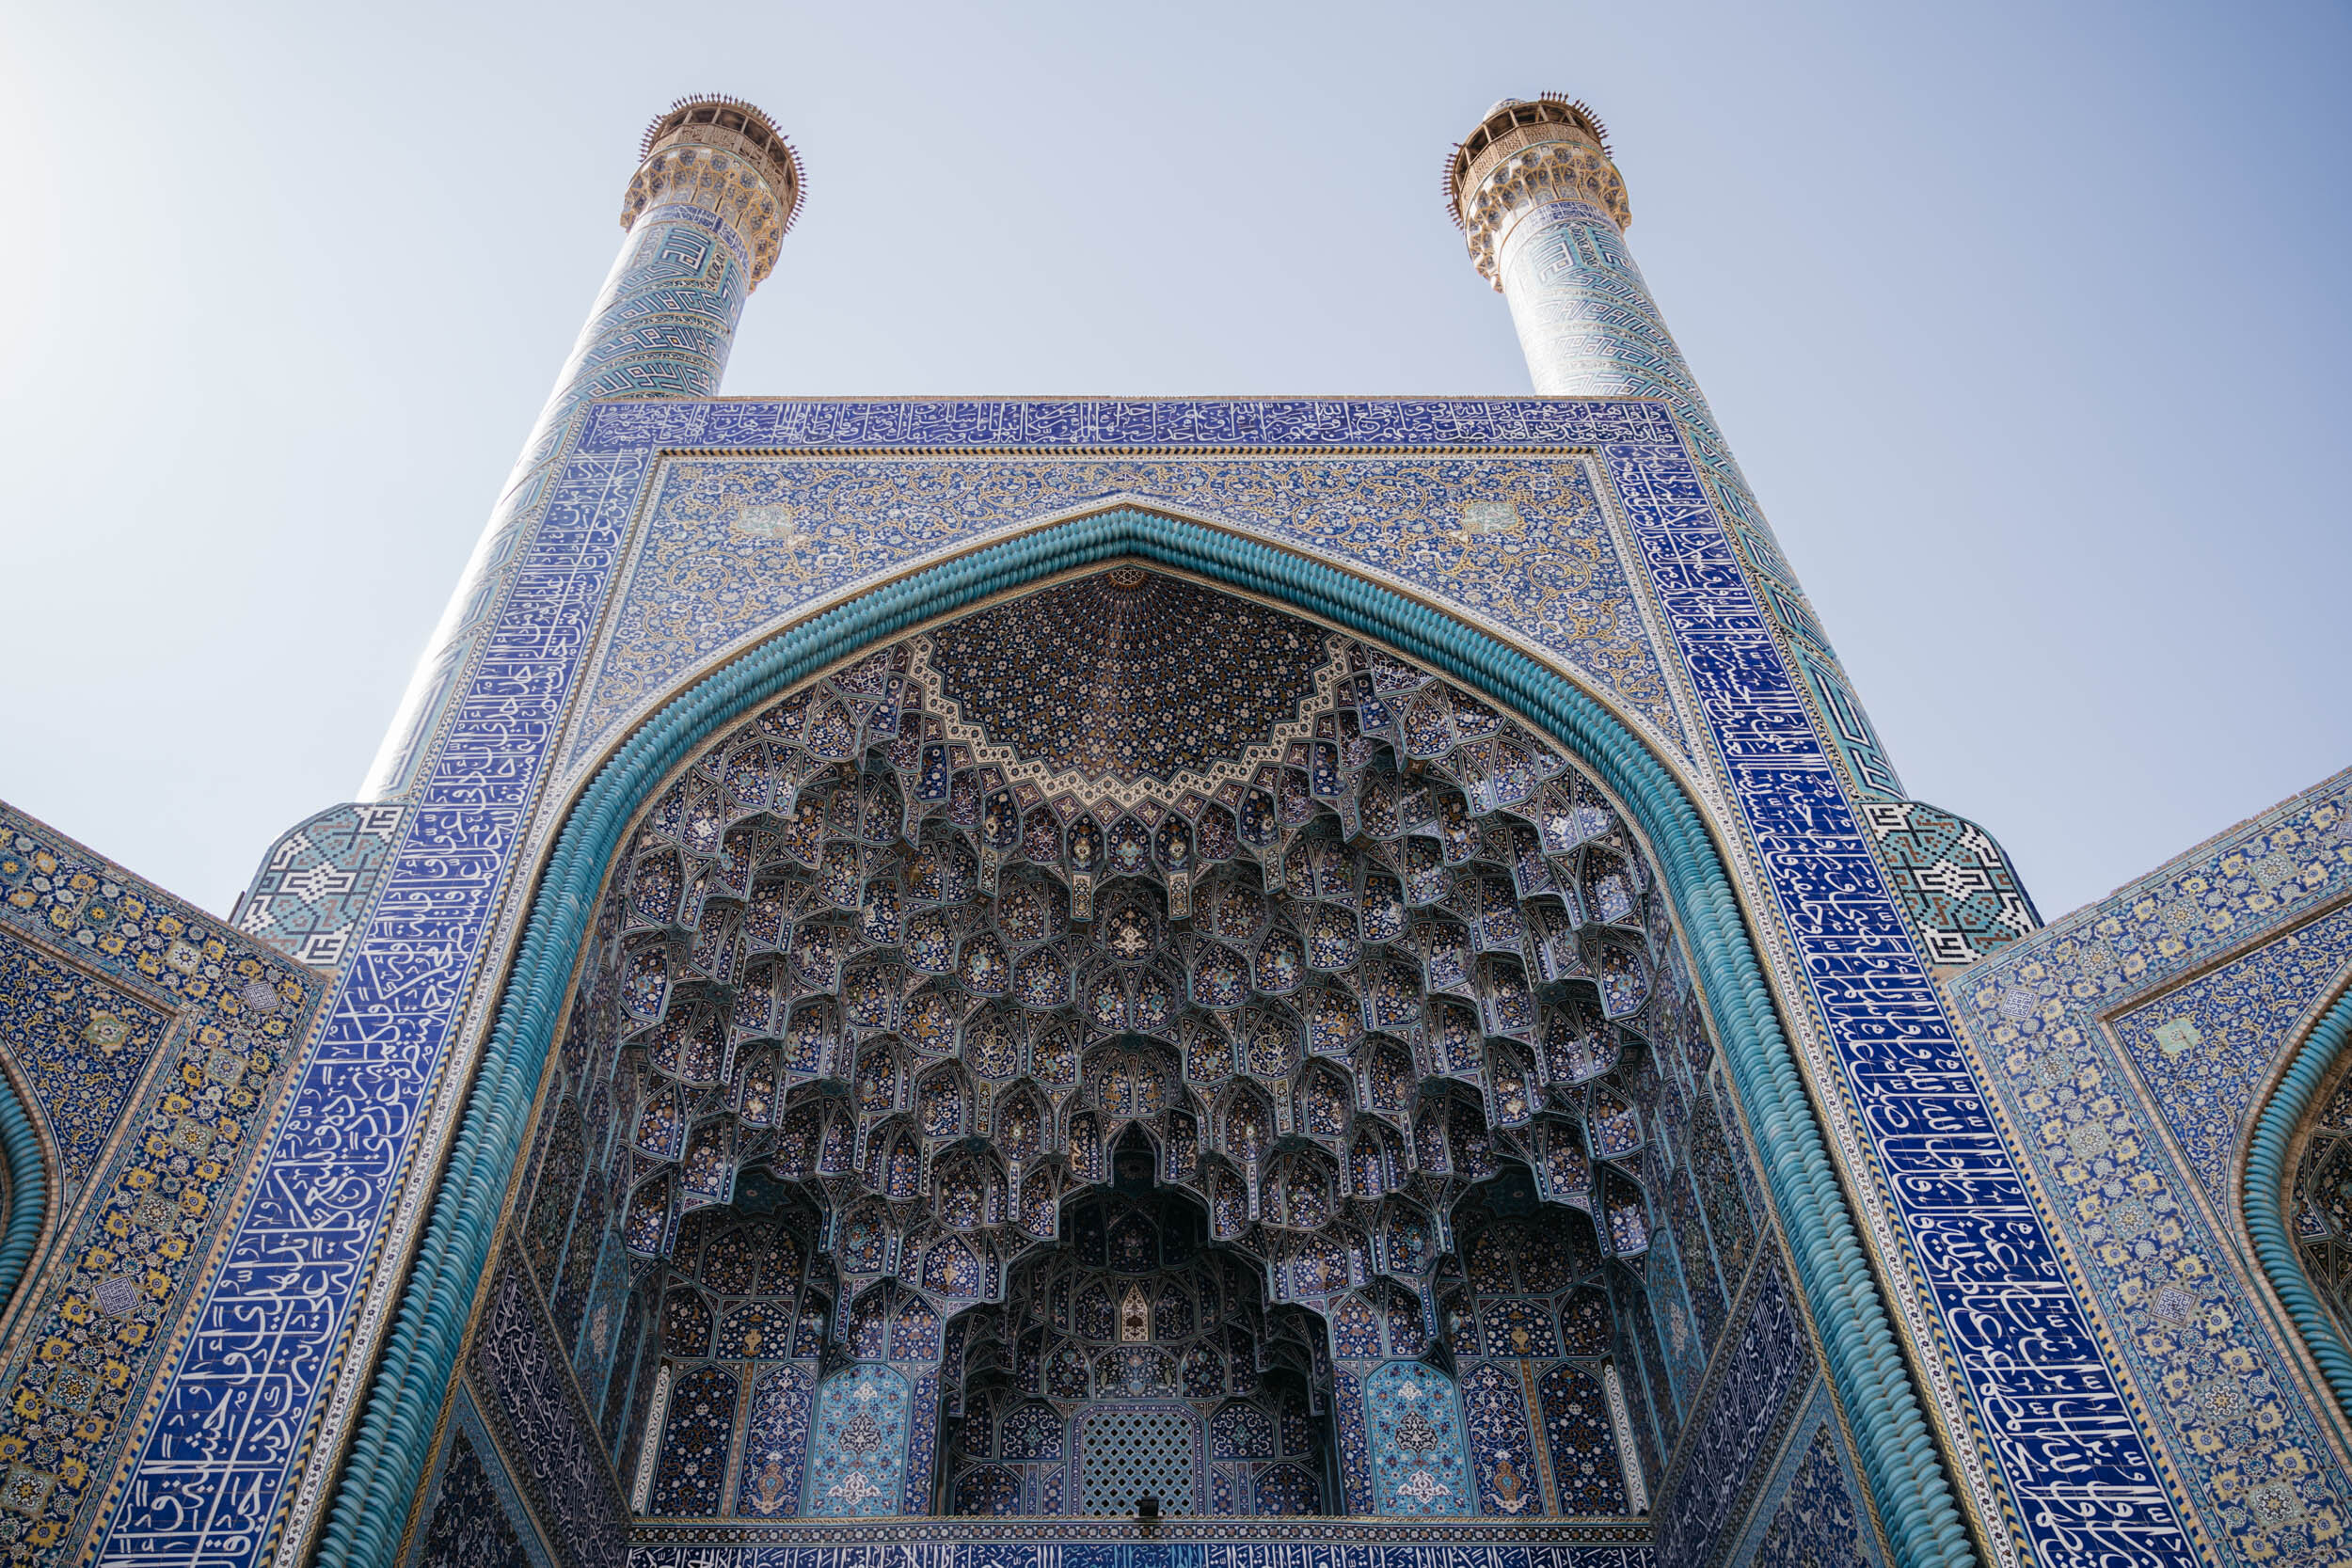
(716,187)
(1537,194)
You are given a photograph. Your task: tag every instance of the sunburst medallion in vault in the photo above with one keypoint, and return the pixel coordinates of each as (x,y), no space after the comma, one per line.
(1129,683)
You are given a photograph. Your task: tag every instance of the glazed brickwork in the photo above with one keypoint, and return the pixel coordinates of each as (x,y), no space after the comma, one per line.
(703,220)
(318,881)
(662,328)
(2130,1046)
(1418,864)
(154,1041)
(1544,213)
(1515,541)
(477,785)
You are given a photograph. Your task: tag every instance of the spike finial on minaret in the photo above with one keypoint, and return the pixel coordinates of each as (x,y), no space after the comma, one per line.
(1524,153)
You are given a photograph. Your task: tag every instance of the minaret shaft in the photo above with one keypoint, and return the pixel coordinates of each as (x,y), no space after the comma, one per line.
(716,187)
(1545,211)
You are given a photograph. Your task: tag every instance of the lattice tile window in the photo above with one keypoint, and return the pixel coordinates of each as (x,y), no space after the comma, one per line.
(1128,1451)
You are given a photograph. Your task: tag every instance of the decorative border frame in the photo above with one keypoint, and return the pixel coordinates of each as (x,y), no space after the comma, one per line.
(1341,1547)
(586,740)
(1899,1454)
(1078,1530)
(312,1277)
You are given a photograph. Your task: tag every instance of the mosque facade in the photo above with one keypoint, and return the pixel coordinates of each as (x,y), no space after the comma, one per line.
(1144,983)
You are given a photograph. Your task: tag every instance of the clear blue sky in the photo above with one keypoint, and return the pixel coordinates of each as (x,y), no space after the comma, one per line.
(2027,322)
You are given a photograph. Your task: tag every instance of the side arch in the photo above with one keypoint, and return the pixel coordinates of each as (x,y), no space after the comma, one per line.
(1897,1449)
(27,1160)
(2266,1195)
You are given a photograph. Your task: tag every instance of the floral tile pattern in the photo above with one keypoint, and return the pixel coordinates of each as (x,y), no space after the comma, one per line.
(1809,1517)
(731,546)
(2143,1024)
(1418,1461)
(83,1042)
(857,1463)
(155,1040)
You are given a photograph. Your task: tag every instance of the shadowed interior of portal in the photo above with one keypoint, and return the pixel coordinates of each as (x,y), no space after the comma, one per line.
(1134,1043)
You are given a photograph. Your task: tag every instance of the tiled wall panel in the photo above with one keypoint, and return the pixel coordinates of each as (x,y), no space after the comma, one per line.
(1952,1199)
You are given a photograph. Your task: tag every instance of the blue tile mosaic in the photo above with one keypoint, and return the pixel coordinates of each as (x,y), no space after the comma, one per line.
(731,546)
(533,1412)
(1544,209)
(2127,1043)
(1757,1388)
(2079,1472)
(2204,1049)
(471,1512)
(2046,1145)
(468,1526)
(1328,1552)
(858,1443)
(1954,880)
(155,1042)
(1413,1419)
(318,881)
(1479,506)
(705,213)
(83,1043)
(1809,1515)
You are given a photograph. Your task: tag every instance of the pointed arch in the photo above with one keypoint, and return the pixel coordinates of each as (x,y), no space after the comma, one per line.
(28,1158)
(1898,1451)
(2267,1192)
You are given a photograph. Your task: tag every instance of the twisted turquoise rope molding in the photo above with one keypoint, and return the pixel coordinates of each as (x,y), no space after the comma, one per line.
(29,1190)
(388,1455)
(2266,1199)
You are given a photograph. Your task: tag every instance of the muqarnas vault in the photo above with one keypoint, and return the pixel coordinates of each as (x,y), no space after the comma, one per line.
(1280,983)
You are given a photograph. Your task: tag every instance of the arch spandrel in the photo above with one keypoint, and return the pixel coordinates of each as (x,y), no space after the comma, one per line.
(1523,544)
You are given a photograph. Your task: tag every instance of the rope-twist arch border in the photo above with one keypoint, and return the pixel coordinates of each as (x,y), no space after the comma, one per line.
(2269,1191)
(1899,1454)
(27,1207)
